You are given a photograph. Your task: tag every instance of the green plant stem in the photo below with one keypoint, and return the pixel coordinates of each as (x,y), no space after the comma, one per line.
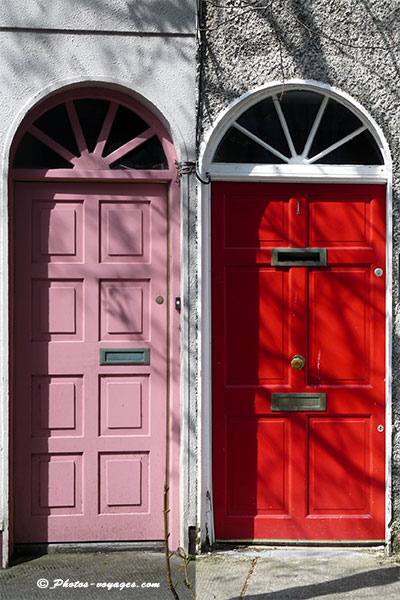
(166,536)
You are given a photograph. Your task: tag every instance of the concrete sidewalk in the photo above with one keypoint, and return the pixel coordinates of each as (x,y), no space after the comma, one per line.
(250,573)
(298,574)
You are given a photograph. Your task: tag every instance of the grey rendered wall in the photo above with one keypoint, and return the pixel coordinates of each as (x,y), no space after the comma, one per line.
(353,45)
(146,46)
(140,16)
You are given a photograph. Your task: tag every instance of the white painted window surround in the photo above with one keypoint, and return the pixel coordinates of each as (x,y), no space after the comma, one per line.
(299,165)
(298,128)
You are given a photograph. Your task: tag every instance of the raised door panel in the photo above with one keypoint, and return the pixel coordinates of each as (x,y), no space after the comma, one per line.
(255,325)
(340,325)
(339,468)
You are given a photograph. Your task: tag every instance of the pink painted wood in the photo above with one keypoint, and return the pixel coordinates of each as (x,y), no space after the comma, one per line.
(90,439)
(86,162)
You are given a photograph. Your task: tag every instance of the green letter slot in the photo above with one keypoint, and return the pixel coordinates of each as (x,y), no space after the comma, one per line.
(124,356)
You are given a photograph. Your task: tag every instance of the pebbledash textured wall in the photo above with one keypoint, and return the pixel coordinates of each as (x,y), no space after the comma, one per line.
(352,45)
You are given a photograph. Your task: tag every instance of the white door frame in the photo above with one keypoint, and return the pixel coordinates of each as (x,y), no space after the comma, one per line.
(290,173)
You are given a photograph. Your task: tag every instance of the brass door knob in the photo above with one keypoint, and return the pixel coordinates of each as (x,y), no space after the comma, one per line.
(298,361)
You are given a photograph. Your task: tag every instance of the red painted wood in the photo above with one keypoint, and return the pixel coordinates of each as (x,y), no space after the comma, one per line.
(298,475)
(90,259)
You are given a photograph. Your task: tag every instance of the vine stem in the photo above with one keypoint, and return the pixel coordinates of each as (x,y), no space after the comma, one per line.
(166,538)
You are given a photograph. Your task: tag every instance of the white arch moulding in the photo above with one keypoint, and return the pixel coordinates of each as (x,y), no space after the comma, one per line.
(293,169)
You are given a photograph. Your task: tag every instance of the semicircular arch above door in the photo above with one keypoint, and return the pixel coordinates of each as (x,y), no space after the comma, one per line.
(91,129)
(302,127)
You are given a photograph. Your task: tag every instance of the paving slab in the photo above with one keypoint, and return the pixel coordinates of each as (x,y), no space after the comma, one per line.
(313,573)
(220,576)
(86,576)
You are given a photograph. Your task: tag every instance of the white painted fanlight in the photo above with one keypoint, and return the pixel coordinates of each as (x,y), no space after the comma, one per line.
(299,127)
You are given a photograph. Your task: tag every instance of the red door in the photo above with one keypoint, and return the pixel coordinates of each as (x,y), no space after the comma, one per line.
(298,361)
(90,361)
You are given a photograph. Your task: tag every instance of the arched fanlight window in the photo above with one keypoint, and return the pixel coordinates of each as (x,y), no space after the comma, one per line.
(90,133)
(301,127)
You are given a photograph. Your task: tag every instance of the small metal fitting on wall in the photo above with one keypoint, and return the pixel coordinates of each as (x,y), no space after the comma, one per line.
(187,168)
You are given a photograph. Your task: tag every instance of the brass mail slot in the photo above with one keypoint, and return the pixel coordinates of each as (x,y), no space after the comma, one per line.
(298,257)
(311,402)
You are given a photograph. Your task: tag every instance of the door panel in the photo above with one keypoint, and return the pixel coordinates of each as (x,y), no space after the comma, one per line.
(332,444)
(90,259)
(245,361)
(339,332)
(349,221)
(298,474)
(268,439)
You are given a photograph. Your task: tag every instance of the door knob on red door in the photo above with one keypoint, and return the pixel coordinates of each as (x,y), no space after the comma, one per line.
(298,361)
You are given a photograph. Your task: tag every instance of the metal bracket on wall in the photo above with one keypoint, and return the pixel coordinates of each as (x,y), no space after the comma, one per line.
(187,167)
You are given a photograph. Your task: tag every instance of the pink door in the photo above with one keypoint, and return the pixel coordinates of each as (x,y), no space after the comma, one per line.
(90,361)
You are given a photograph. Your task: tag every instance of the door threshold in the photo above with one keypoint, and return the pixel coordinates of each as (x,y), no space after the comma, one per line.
(81,547)
(229,544)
